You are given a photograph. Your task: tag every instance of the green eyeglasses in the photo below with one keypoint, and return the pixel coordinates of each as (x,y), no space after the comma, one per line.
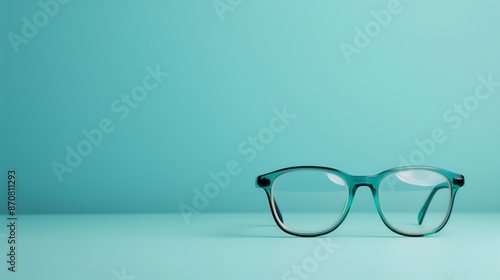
(314,200)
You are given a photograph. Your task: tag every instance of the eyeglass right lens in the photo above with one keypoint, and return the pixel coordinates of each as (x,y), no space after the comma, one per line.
(310,201)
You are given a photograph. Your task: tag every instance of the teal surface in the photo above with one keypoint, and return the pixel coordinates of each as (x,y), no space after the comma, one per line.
(249,246)
(252,86)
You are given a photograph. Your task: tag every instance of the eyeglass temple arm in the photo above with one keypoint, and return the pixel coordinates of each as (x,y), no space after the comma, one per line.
(423,211)
(264,182)
(458,181)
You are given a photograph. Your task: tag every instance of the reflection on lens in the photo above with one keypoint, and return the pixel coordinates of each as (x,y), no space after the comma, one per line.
(415,201)
(310,201)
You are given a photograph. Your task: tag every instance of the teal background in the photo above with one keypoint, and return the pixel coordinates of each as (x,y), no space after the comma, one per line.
(226,77)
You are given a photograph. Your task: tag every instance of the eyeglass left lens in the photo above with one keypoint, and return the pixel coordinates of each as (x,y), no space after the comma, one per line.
(415,202)
(310,201)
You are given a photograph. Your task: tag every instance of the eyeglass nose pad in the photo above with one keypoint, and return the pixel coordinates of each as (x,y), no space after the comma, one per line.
(363,181)
(369,185)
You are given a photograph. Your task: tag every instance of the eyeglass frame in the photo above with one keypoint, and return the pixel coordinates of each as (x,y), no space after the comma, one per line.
(455,180)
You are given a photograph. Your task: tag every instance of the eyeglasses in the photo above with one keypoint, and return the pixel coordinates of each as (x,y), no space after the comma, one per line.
(313,200)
